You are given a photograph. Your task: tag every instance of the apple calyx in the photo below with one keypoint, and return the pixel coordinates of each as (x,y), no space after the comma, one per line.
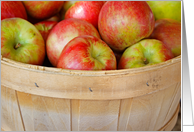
(17,46)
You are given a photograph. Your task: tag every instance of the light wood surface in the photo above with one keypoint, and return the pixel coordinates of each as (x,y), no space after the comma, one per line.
(36,98)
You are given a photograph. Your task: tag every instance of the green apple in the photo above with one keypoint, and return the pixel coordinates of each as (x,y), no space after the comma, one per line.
(146,52)
(166,9)
(21,41)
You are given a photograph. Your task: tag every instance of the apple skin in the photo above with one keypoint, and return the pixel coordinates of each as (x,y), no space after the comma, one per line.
(21,41)
(42,9)
(66,6)
(169,32)
(146,52)
(85,10)
(45,27)
(11,9)
(87,53)
(166,9)
(63,32)
(124,23)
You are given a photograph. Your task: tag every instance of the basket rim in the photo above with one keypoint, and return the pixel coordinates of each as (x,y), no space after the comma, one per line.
(55,70)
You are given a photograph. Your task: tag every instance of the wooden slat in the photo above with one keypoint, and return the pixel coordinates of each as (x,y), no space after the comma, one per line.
(95,115)
(125,111)
(43,113)
(176,96)
(11,119)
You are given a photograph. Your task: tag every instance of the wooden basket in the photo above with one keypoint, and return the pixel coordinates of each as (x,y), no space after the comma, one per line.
(37,98)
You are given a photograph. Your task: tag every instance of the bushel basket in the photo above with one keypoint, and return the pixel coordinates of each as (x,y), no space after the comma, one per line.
(38,98)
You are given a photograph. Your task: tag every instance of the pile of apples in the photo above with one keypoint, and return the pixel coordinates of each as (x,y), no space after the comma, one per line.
(91,35)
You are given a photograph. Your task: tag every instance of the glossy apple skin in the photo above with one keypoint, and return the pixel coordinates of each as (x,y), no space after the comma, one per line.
(45,27)
(85,10)
(124,23)
(11,9)
(21,41)
(42,9)
(146,52)
(87,53)
(169,32)
(63,32)
(166,9)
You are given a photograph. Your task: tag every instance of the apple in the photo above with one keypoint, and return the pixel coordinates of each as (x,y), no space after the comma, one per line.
(166,9)
(66,6)
(42,9)
(63,32)
(87,53)
(85,10)
(145,52)
(169,32)
(44,27)
(21,41)
(55,18)
(124,23)
(11,9)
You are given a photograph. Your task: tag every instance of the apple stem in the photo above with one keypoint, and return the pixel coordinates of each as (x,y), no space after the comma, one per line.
(17,45)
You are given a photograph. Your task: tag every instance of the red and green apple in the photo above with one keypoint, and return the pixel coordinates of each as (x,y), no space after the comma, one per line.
(146,52)
(85,10)
(124,23)
(44,27)
(21,41)
(42,9)
(63,32)
(87,53)
(169,32)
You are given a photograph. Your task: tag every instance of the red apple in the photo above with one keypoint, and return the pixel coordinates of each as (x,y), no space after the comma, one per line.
(87,53)
(85,10)
(146,52)
(169,32)
(21,41)
(45,27)
(42,9)
(11,9)
(63,32)
(124,23)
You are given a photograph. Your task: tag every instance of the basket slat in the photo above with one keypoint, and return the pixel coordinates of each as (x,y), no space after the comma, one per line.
(43,113)
(11,119)
(95,115)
